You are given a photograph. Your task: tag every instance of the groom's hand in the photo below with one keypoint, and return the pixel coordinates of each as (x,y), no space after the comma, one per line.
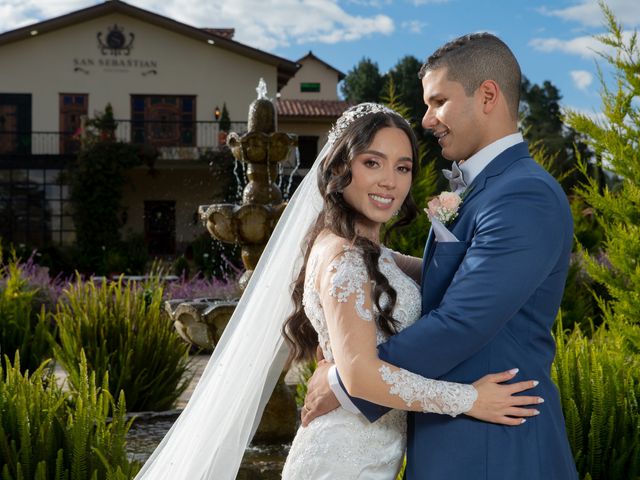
(320,398)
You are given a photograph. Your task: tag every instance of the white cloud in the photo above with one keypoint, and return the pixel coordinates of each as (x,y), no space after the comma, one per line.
(413,26)
(264,25)
(581,79)
(585,46)
(371,3)
(588,12)
(417,3)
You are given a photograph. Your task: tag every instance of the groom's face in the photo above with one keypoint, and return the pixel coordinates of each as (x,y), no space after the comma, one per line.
(452,117)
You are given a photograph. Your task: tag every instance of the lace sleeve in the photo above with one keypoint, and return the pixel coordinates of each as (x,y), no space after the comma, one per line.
(349,278)
(345,292)
(434,396)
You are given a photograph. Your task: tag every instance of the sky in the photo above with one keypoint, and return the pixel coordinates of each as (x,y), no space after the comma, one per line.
(552,39)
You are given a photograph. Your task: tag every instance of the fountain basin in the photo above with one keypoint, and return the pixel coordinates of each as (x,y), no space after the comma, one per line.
(200,321)
(250,224)
(260,147)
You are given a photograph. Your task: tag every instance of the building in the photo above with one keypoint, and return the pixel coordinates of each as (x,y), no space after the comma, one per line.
(309,105)
(167,83)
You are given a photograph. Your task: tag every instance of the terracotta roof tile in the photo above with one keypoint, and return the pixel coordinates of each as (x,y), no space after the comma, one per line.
(221,32)
(311,108)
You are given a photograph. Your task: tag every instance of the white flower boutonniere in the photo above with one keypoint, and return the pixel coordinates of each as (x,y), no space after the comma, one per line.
(444,207)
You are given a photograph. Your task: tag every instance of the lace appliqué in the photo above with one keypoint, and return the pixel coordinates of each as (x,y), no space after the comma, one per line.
(406,311)
(349,278)
(435,396)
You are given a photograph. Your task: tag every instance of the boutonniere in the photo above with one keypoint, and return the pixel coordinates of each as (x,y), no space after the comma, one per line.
(444,207)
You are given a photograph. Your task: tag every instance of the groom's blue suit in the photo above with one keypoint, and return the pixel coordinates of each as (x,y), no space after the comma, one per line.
(488,304)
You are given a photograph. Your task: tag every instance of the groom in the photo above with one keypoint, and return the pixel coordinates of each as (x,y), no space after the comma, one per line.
(490,298)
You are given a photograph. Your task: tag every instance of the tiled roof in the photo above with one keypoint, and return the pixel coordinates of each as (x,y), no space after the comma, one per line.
(311,108)
(221,32)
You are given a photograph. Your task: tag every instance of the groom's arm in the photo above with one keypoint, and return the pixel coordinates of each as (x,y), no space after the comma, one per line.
(517,244)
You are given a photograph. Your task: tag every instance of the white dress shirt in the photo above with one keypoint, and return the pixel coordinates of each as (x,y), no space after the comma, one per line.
(477,162)
(470,168)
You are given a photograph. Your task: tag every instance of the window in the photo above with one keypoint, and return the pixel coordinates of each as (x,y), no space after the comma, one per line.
(35,207)
(163,120)
(309,87)
(15,124)
(72,108)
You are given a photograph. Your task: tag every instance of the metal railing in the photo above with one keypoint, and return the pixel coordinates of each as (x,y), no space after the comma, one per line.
(174,140)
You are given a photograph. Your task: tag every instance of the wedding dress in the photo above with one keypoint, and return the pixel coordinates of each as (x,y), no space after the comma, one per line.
(343,445)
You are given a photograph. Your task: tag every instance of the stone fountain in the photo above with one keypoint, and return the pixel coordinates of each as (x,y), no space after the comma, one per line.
(261,148)
(248,225)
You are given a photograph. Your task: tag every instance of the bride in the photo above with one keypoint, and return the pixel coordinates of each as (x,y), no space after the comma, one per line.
(349,294)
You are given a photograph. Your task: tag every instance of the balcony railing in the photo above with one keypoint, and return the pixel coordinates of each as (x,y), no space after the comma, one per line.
(174,140)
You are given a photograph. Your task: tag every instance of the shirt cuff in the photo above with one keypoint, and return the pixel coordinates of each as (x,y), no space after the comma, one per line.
(340,394)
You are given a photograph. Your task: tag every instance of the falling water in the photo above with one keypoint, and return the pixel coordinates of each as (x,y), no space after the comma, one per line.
(269,179)
(215,244)
(245,179)
(239,183)
(293,172)
(280,175)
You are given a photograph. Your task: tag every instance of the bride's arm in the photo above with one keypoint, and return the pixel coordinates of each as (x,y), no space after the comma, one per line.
(411,266)
(346,297)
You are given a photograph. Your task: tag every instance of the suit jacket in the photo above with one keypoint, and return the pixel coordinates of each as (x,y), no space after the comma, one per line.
(488,305)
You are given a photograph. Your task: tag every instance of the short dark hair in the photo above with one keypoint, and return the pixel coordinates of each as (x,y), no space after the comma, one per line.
(471,59)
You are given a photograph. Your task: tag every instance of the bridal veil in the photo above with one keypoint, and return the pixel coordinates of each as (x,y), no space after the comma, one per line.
(209,438)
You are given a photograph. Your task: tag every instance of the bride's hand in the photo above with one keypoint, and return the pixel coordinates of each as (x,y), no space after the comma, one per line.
(498,403)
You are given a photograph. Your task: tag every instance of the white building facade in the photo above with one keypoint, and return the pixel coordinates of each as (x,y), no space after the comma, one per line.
(167,83)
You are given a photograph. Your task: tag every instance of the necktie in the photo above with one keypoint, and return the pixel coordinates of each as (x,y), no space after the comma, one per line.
(456,180)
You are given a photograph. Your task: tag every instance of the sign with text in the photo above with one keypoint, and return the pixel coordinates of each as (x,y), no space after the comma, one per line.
(115,47)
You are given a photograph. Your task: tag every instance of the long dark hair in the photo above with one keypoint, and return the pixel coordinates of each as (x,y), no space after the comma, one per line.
(340,218)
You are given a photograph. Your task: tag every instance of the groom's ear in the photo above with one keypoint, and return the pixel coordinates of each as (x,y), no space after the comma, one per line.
(489,93)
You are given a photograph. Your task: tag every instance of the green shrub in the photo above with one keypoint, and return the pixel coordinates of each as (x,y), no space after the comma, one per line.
(599,383)
(123,330)
(579,305)
(22,329)
(46,433)
(305,372)
(615,139)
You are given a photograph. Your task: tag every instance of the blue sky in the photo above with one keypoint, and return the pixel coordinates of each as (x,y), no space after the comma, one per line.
(551,39)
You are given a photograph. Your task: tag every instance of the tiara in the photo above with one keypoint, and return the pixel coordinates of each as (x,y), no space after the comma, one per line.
(351,114)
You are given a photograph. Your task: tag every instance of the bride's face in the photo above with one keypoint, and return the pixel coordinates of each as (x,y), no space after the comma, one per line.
(380,178)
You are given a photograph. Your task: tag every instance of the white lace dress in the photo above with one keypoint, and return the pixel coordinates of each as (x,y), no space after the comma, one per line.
(343,445)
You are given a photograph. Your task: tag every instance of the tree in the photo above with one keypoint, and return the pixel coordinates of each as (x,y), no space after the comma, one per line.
(364,83)
(408,86)
(225,121)
(543,127)
(96,178)
(616,142)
